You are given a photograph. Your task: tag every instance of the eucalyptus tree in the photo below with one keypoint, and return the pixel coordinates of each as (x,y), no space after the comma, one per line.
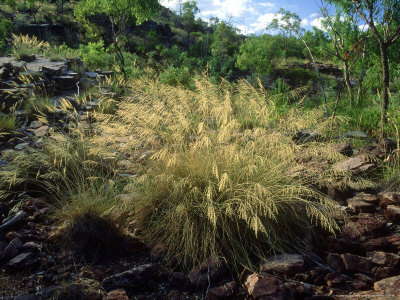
(118,12)
(290,22)
(383,19)
(347,41)
(189,11)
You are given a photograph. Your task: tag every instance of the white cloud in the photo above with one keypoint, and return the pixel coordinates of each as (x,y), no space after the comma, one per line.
(261,23)
(267,4)
(314,15)
(317,22)
(304,23)
(171,4)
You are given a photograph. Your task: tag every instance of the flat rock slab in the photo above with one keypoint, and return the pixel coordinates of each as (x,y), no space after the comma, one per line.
(285,264)
(356,134)
(356,164)
(388,287)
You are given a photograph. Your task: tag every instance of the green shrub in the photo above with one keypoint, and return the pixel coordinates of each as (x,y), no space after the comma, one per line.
(5,26)
(176,76)
(7,124)
(95,56)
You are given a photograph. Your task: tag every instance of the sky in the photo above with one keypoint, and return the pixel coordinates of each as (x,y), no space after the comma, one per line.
(252,16)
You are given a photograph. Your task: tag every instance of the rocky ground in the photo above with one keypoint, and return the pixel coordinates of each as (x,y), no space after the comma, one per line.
(363,262)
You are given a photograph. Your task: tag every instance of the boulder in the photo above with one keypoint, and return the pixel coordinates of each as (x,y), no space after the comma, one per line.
(362,228)
(388,198)
(381,258)
(267,287)
(210,272)
(118,294)
(288,264)
(132,278)
(357,264)
(225,292)
(21,260)
(393,214)
(11,250)
(388,287)
(334,279)
(335,261)
(356,164)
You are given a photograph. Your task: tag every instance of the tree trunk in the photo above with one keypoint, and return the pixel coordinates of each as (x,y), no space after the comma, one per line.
(347,80)
(385,86)
(321,84)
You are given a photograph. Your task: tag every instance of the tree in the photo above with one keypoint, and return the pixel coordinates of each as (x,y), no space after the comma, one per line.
(347,41)
(189,11)
(258,54)
(118,12)
(291,22)
(383,19)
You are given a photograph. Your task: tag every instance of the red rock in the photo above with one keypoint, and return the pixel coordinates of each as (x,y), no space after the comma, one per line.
(384,272)
(213,270)
(364,227)
(227,291)
(267,287)
(287,264)
(355,263)
(388,198)
(361,206)
(342,246)
(335,261)
(393,214)
(375,244)
(394,241)
(118,294)
(388,287)
(385,259)
(334,279)
(359,285)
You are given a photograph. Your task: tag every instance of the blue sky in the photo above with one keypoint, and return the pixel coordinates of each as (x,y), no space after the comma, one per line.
(252,16)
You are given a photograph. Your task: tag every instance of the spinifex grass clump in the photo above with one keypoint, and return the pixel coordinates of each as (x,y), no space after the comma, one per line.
(237,201)
(24,46)
(213,187)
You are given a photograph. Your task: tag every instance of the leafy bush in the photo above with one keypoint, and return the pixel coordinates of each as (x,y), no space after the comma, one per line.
(95,56)
(176,76)
(61,52)
(5,26)
(7,124)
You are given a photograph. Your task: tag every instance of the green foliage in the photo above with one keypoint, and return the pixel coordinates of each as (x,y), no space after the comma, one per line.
(5,26)
(119,10)
(176,76)
(257,54)
(95,56)
(7,124)
(61,52)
